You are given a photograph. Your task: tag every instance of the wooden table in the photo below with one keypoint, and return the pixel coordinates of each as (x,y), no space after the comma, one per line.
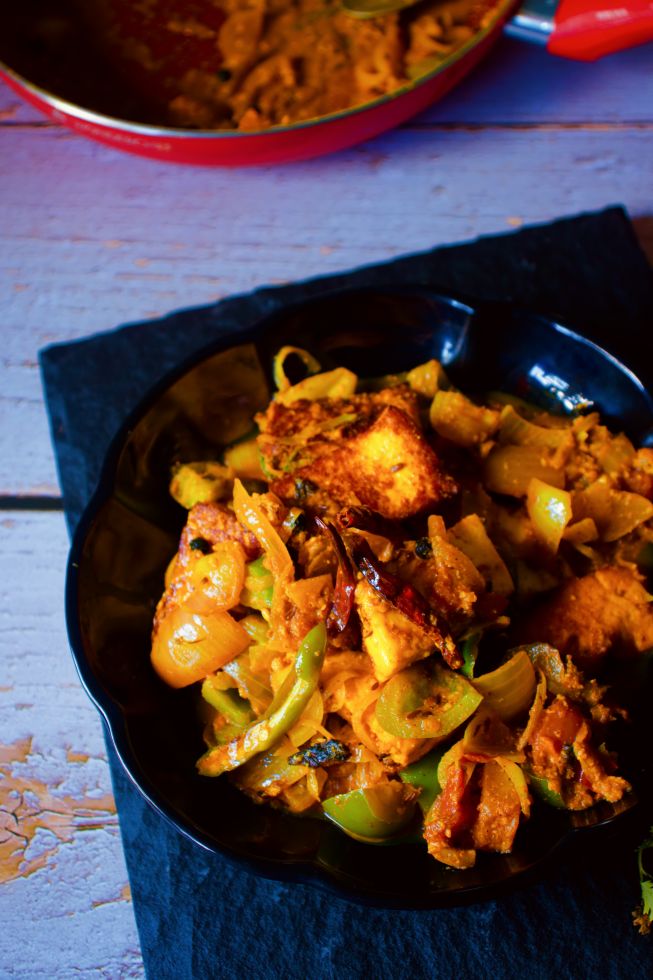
(91,238)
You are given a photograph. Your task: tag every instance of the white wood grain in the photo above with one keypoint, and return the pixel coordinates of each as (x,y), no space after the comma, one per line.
(64,901)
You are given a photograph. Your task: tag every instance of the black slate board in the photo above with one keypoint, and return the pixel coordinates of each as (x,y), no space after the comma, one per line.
(198,915)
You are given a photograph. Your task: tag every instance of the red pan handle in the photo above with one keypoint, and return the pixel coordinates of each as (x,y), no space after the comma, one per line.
(589,29)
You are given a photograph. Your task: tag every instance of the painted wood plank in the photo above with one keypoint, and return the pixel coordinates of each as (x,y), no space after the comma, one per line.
(90,238)
(64,901)
(518,83)
(117,239)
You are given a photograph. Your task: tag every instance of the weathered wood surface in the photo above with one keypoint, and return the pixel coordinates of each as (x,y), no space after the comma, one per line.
(91,238)
(64,898)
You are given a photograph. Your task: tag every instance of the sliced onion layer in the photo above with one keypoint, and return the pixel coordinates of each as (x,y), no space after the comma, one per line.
(509,689)
(188,646)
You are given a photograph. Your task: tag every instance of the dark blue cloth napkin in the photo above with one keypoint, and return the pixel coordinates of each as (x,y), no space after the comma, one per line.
(199,916)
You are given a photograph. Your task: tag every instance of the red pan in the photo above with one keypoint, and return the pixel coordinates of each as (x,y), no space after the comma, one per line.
(40,43)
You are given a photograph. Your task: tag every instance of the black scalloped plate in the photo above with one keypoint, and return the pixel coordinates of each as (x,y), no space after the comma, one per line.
(131,529)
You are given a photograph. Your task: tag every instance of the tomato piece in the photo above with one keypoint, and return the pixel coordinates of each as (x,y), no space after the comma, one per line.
(560,723)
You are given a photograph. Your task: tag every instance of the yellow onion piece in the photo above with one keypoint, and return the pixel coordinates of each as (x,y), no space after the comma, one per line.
(279,365)
(255,627)
(381,546)
(362,693)
(615,512)
(498,812)
(427,378)
(549,509)
(470,537)
(299,797)
(310,598)
(458,419)
(335,695)
(221,681)
(310,722)
(244,459)
(195,483)
(187,646)
(486,734)
(536,710)
(360,722)
(582,532)
(250,515)
(614,452)
(450,758)
(339,383)
(217,579)
(519,432)
(510,469)
(509,689)
(532,581)
(519,781)
(252,678)
(315,780)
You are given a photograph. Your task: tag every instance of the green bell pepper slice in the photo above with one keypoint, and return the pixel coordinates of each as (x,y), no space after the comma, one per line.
(543,791)
(372,814)
(426,701)
(286,708)
(229,703)
(469,652)
(259,586)
(423,775)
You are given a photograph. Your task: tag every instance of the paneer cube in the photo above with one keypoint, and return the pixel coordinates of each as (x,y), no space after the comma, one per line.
(388,467)
(365,450)
(390,638)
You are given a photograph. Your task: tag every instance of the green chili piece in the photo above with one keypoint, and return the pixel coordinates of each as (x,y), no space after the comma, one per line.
(469,651)
(286,708)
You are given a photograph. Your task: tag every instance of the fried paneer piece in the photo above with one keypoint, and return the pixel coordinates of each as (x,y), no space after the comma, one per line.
(586,617)
(304,428)
(390,467)
(390,638)
(366,451)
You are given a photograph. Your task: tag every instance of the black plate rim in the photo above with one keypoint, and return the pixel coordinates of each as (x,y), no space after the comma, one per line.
(287,869)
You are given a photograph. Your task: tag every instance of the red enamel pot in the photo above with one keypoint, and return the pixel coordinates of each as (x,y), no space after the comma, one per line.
(302,140)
